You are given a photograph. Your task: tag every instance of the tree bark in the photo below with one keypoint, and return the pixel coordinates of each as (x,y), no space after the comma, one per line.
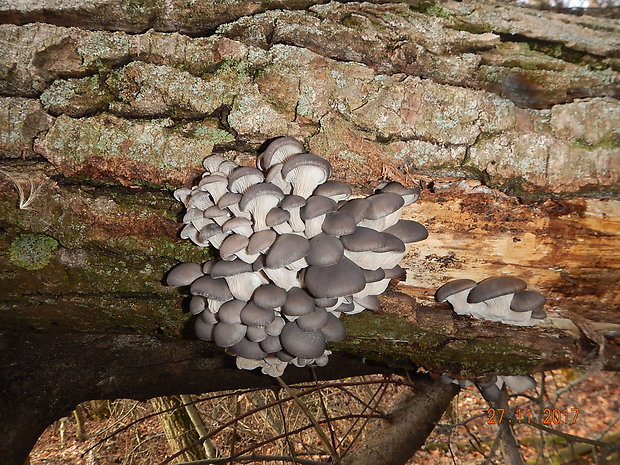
(413,418)
(505,117)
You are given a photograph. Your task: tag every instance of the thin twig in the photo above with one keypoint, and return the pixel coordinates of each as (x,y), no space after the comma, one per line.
(572,437)
(311,417)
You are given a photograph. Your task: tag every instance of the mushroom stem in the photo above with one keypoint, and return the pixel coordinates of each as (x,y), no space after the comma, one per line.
(283,277)
(498,308)
(243,285)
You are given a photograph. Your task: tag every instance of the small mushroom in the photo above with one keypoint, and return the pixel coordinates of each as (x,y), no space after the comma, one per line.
(227,335)
(215,290)
(298,303)
(456,292)
(355,208)
(299,343)
(313,213)
(524,304)
(343,278)
(409,195)
(242,280)
(269,296)
(293,204)
(215,185)
(324,250)
(496,293)
(338,224)
(362,241)
(253,315)
(277,219)
(384,211)
(203,330)
(241,179)
(333,330)
(313,321)
(197,304)
(336,190)
(289,250)
(230,312)
(256,333)
(248,349)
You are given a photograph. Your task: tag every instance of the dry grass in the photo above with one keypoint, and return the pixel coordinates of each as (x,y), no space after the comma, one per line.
(463,437)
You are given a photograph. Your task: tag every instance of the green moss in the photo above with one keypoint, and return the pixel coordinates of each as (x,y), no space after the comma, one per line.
(236,67)
(438,11)
(32,251)
(605,143)
(217,136)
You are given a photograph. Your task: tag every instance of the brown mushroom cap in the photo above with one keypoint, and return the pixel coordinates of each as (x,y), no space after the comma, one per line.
(527,301)
(453,287)
(496,286)
(184,274)
(305,344)
(339,280)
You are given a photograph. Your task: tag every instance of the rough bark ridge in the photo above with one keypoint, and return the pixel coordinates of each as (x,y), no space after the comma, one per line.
(508,118)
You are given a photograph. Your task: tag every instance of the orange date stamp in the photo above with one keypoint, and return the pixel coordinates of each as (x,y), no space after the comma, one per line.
(550,416)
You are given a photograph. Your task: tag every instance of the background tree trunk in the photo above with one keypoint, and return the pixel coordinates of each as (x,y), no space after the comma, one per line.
(506,117)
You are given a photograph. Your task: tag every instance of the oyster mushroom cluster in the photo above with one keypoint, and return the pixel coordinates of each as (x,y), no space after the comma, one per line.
(501,298)
(295,253)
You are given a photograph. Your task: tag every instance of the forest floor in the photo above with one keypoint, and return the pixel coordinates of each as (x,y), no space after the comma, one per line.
(588,408)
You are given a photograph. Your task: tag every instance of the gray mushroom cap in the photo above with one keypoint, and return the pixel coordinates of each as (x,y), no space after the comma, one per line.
(292,201)
(230,312)
(284,356)
(317,205)
(256,333)
(216,289)
(303,161)
(527,301)
(298,302)
(203,330)
(364,240)
(371,302)
(253,315)
(227,335)
(328,302)
(212,163)
(239,225)
(223,268)
(305,344)
(355,208)
(395,272)
(334,330)
(453,287)
(336,190)
(313,321)
(496,286)
(271,344)
(392,244)
(275,327)
(372,276)
(184,274)
(279,150)
(260,241)
(408,231)
(538,314)
(197,304)
(324,250)
(277,216)
(383,204)
(233,244)
(269,296)
(345,307)
(208,317)
(339,280)
(228,199)
(248,349)
(286,249)
(338,224)
(257,191)
(409,194)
